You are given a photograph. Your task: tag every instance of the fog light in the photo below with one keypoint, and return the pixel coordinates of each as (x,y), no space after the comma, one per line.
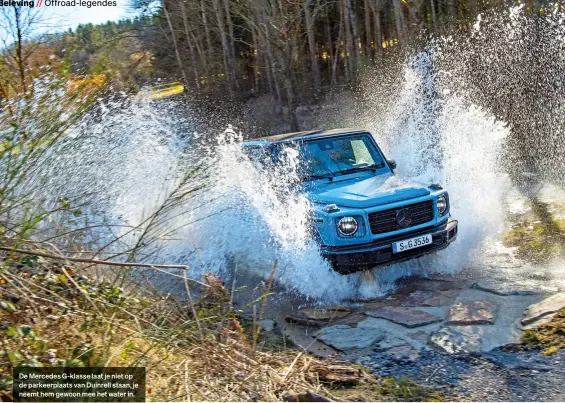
(347,226)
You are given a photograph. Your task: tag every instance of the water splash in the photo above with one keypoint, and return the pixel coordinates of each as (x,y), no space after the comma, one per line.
(438,117)
(435,135)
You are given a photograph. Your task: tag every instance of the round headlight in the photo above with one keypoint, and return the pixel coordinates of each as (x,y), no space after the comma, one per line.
(441,205)
(347,226)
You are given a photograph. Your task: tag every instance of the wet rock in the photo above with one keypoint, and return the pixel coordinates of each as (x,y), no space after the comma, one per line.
(512,361)
(303,338)
(344,337)
(403,353)
(430,298)
(548,306)
(419,283)
(420,336)
(406,317)
(389,343)
(267,325)
(326,313)
(504,289)
(371,323)
(472,313)
(457,339)
(376,304)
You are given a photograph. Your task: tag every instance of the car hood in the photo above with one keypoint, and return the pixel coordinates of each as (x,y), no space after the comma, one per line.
(362,192)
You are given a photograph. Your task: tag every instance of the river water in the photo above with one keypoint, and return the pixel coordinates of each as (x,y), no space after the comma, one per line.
(472,113)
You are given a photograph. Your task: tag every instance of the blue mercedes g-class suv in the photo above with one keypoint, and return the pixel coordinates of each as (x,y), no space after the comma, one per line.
(363,215)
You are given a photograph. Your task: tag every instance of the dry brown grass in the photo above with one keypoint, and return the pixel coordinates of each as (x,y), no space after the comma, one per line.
(52,314)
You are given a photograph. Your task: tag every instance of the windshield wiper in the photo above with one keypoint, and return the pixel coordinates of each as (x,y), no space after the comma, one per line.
(359,169)
(329,176)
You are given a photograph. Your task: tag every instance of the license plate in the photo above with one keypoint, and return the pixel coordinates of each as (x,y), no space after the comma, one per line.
(412,243)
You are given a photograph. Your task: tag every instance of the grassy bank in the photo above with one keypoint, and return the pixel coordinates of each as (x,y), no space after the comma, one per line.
(550,337)
(538,235)
(59,313)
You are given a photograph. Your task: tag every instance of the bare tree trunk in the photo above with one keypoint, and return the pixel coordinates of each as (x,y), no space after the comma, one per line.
(310,33)
(335,60)
(190,47)
(434,16)
(399,17)
(175,43)
(368,40)
(190,34)
(232,42)
(290,96)
(264,50)
(473,9)
(201,53)
(258,61)
(353,22)
(225,46)
(294,126)
(378,31)
(272,64)
(286,50)
(350,53)
(377,8)
(452,9)
(206,29)
(19,48)
(329,44)
(194,65)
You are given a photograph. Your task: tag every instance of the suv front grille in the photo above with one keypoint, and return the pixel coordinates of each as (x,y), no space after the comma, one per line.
(385,221)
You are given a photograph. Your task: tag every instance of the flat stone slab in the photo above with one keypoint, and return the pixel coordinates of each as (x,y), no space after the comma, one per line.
(389,343)
(472,313)
(324,313)
(504,289)
(308,343)
(406,317)
(548,306)
(344,337)
(420,283)
(457,339)
(430,298)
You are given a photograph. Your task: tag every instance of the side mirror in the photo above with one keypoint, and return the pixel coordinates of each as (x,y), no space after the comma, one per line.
(391,164)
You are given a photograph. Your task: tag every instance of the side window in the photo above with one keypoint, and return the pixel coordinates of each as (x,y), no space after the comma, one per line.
(362,154)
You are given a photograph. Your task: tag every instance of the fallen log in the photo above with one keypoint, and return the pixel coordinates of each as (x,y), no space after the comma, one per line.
(305,321)
(330,373)
(305,397)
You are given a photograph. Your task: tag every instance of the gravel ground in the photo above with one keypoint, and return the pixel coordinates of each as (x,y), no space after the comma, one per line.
(503,374)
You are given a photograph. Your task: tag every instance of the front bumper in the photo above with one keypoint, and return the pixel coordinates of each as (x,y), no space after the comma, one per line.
(352,258)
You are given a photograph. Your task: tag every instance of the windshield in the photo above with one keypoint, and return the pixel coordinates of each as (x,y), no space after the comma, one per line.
(334,156)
